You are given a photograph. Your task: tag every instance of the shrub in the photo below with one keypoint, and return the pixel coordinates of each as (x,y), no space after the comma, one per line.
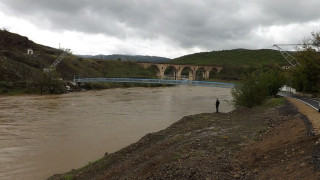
(249,92)
(273,81)
(253,90)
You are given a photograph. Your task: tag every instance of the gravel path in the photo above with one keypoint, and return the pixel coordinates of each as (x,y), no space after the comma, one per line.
(313,116)
(313,103)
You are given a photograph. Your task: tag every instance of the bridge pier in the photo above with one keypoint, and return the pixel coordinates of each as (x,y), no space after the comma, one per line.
(160,74)
(179,70)
(206,74)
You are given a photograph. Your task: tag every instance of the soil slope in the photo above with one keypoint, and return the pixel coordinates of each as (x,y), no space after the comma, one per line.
(257,143)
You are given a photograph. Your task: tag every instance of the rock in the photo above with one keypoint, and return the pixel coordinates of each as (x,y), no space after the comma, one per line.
(237,168)
(240,172)
(236,176)
(301,152)
(303,165)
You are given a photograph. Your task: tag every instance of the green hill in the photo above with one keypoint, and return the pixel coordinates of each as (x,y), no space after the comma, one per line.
(233,58)
(19,70)
(122,57)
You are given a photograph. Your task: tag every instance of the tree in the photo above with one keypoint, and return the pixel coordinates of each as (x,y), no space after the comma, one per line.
(50,83)
(306,77)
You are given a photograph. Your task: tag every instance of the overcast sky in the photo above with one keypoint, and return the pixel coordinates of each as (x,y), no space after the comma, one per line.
(168,28)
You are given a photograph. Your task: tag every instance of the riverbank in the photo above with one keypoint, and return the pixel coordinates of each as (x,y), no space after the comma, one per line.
(265,142)
(10,89)
(21,88)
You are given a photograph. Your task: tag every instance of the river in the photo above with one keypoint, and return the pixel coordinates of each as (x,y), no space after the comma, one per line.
(44,135)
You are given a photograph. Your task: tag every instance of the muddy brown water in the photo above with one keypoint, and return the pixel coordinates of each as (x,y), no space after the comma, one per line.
(44,135)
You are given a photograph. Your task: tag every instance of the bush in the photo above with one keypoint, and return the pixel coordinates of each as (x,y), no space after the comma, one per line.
(273,81)
(50,83)
(249,92)
(97,86)
(253,90)
(5,87)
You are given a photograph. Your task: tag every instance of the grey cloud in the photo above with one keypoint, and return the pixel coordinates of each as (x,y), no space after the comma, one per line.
(291,11)
(207,24)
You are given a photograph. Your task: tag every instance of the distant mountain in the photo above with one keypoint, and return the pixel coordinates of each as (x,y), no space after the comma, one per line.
(234,58)
(137,58)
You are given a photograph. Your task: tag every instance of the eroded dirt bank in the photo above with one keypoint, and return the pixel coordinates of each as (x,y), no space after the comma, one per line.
(258,143)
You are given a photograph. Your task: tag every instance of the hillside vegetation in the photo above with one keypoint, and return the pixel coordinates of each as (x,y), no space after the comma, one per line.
(20,71)
(137,58)
(234,58)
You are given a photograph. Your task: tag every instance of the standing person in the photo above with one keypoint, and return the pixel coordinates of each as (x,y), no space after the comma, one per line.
(217,104)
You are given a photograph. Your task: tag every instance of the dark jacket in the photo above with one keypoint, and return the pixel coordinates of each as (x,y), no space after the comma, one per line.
(217,103)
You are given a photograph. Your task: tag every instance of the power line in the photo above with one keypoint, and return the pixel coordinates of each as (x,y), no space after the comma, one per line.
(295,44)
(290,59)
(292,44)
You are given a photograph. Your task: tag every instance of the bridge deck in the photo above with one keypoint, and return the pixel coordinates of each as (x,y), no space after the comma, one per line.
(157,81)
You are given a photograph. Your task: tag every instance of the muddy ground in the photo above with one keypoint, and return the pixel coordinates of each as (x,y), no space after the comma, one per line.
(270,142)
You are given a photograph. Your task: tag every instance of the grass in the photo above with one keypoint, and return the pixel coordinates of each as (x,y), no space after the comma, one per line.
(68,177)
(221,80)
(274,102)
(176,157)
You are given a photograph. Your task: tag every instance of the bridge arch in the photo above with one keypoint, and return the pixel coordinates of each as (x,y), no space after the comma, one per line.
(186,73)
(155,69)
(200,74)
(213,72)
(170,72)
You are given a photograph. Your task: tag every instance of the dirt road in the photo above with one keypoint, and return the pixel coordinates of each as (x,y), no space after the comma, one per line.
(311,113)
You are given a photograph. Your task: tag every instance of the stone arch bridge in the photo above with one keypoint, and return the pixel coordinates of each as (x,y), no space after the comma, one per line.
(177,70)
